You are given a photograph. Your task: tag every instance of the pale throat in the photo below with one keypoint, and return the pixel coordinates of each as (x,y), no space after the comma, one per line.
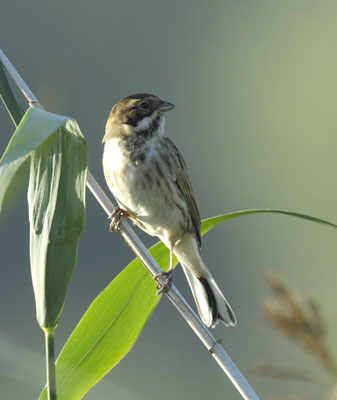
(115,129)
(156,120)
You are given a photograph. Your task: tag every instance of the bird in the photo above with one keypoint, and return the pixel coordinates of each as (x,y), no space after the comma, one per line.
(147,175)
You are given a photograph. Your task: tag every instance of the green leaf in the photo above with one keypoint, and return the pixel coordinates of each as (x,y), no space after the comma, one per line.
(9,99)
(210,223)
(32,131)
(115,319)
(56,198)
(57,153)
(108,329)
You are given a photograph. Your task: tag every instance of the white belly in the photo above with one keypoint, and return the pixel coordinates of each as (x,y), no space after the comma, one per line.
(143,193)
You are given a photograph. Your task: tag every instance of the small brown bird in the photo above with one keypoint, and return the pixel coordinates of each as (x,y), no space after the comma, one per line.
(148,177)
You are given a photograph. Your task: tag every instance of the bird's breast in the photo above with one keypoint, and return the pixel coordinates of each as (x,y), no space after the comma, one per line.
(124,170)
(141,182)
(113,156)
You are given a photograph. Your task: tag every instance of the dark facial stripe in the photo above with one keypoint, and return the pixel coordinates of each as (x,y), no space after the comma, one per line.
(132,119)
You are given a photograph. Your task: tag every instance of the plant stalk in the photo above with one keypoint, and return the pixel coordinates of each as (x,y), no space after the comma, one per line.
(212,345)
(49,334)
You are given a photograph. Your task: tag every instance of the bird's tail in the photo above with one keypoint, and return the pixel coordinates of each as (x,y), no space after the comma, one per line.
(211,303)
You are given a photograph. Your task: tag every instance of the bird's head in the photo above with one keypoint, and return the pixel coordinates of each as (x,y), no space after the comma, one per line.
(137,114)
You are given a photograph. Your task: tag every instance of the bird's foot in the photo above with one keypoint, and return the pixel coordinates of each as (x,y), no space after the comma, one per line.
(117,217)
(167,283)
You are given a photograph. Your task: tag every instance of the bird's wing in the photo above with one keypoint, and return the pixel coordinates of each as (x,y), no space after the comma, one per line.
(185,186)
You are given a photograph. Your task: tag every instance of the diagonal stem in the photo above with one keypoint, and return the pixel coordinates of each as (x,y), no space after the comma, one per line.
(214,347)
(50,363)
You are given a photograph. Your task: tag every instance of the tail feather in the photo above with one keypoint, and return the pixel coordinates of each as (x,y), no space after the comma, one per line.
(211,303)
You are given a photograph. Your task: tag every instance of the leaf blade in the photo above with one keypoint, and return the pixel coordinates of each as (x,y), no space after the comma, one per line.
(209,223)
(13,164)
(97,332)
(8,97)
(56,198)
(57,153)
(76,388)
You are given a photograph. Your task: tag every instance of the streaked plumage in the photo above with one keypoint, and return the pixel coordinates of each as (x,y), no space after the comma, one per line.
(148,177)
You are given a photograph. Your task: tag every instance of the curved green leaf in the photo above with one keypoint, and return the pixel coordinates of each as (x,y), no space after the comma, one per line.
(115,319)
(56,198)
(31,132)
(57,153)
(209,223)
(108,329)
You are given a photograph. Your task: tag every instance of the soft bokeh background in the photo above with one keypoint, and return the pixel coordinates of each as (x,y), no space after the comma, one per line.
(255,89)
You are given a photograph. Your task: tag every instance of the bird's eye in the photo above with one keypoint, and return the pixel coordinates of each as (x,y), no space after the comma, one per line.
(144,105)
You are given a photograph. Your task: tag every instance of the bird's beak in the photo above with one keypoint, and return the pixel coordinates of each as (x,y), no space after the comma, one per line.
(166,106)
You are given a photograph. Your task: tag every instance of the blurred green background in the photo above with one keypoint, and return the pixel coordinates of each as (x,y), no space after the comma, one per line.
(255,89)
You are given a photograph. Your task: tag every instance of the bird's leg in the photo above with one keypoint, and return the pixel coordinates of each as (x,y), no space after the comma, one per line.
(117,217)
(168,274)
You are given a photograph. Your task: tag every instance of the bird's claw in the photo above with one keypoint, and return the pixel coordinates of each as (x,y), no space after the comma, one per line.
(117,217)
(167,283)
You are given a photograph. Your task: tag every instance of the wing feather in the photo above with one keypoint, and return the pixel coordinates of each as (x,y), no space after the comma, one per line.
(185,186)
